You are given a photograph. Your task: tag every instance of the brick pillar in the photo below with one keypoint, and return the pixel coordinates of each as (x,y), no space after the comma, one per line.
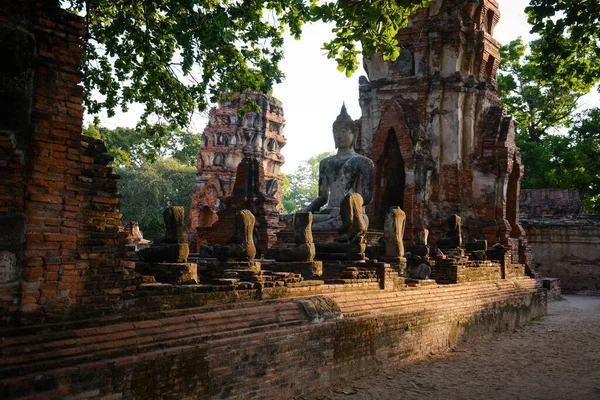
(59,212)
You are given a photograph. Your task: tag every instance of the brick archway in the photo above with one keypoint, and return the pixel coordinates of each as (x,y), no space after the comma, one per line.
(390,179)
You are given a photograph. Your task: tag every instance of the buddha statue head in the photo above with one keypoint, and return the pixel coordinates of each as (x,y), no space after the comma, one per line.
(345,132)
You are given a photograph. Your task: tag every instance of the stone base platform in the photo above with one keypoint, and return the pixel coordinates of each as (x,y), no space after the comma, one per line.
(244,275)
(220,266)
(514,270)
(398,264)
(460,270)
(308,269)
(214,351)
(173,273)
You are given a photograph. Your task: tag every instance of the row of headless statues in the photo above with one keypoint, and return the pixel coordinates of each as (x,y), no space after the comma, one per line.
(350,244)
(345,185)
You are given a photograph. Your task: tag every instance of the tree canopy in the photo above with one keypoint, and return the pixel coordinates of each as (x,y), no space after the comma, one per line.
(134,146)
(569,49)
(175,57)
(146,190)
(302,186)
(536,105)
(569,159)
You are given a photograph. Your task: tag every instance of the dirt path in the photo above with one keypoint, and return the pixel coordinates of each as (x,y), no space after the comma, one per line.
(555,358)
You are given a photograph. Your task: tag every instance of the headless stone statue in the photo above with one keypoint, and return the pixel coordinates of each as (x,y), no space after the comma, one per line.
(453,238)
(172,246)
(346,172)
(240,246)
(350,243)
(305,247)
(420,249)
(477,249)
(393,233)
(419,267)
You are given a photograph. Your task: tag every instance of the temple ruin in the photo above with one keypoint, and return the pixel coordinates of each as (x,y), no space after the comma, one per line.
(234,132)
(81,317)
(433,117)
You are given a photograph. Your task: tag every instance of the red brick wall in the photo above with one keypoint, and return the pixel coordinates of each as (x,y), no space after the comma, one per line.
(57,181)
(261,349)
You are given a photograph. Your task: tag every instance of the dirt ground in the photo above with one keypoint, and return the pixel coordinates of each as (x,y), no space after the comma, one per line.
(557,357)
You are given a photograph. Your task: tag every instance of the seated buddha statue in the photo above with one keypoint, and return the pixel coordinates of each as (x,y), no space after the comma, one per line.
(341,174)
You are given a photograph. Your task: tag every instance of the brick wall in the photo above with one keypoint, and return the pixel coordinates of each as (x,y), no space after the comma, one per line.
(56,193)
(568,249)
(536,203)
(460,271)
(274,349)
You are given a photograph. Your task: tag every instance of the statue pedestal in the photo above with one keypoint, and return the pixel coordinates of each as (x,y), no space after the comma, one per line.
(221,266)
(173,273)
(398,264)
(285,238)
(308,269)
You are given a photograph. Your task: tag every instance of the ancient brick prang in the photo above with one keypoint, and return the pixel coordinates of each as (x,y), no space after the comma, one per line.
(249,192)
(433,124)
(228,138)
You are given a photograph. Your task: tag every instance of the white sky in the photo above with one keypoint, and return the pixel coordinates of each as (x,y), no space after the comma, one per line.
(313,91)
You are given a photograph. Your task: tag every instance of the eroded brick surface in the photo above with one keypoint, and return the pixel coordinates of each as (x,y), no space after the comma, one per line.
(433,125)
(58,205)
(227,139)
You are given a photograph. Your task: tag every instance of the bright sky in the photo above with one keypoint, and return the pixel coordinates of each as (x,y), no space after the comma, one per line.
(314,90)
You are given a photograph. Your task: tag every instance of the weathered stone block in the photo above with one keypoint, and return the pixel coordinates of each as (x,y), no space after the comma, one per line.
(174,273)
(308,269)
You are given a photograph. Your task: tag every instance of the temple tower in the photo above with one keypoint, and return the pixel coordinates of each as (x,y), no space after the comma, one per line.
(228,138)
(433,124)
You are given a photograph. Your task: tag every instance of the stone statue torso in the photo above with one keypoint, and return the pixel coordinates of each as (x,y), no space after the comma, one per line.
(345,174)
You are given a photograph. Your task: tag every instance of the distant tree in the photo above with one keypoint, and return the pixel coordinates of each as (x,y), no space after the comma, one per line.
(578,161)
(147,189)
(135,146)
(175,57)
(569,49)
(302,186)
(536,106)
(539,106)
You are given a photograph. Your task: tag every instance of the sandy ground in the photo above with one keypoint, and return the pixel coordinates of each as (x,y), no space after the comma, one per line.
(557,357)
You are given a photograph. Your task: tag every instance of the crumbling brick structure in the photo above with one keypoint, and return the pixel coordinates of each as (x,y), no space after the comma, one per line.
(433,124)
(536,203)
(249,192)
(227,139)
(59,215)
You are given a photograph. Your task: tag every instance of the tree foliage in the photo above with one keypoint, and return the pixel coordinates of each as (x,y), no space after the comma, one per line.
(175,57)
(302,186)
(569,160)
(135,146)
(569,50)
(146,190)
(536,105)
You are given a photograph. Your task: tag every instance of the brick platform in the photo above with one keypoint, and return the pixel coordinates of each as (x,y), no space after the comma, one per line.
(258,349)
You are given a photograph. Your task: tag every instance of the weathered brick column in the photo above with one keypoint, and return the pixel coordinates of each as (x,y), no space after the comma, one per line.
(433,124)
(59,212)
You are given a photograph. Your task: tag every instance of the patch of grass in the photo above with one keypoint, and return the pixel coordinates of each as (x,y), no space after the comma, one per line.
(537,318)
